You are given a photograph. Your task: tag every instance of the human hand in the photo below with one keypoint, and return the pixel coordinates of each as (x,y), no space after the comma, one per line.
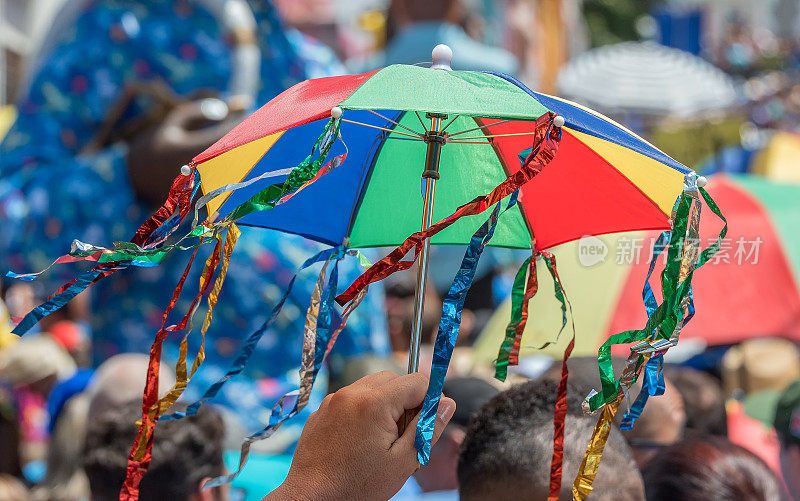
(350,448)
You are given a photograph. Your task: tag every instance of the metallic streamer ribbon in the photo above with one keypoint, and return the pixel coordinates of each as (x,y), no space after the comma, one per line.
(661,331)
(142,251)
(546,140)
(179,199)
(211,195)
(449,324)
(182,378)
(268,197)
(315,341)
(250,343)
(521,293)
(560,413)
(653,385)
(335,162)
(140,455)
(587,472)
(65,294)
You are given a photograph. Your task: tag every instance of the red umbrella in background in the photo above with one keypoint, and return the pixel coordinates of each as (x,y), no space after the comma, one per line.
(749,289)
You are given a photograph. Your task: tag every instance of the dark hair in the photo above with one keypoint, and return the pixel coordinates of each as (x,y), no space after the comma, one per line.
(710,468)
(703,402)
(509,443)
(184,452)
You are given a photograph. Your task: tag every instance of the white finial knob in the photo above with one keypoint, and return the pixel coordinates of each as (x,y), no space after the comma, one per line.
(442,57)
(186,170)
(336,113)
(559,121)
(701,181)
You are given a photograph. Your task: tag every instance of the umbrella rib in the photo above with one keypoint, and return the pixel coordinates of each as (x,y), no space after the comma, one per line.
(420,121)
(415,136)
(490,136)
(396,123)
(476,128)
(448,123)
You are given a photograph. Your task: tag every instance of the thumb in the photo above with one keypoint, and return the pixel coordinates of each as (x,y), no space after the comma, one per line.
(404,446)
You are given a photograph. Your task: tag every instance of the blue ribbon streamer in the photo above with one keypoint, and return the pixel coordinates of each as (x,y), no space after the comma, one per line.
(58,301)
(448,331)
(650,303)
(252,340)
(293,400)
(653,385)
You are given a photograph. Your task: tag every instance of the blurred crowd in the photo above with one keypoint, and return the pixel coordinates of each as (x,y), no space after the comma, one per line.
(107,98)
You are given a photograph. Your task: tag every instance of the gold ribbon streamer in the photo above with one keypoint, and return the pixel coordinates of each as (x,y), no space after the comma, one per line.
(181,377)
(587,472)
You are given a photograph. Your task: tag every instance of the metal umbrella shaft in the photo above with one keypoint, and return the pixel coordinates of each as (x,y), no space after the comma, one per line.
(435,140)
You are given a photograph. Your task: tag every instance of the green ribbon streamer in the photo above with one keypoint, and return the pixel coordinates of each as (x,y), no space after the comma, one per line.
(670,312)
(269,196)
(549,260)
(517,297)
(126,251)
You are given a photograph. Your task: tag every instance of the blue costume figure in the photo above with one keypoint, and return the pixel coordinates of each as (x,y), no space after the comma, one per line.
(54,187)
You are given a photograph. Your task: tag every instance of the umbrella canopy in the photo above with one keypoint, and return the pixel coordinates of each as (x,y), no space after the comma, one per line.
(646,77)
(604,178)
(752,285)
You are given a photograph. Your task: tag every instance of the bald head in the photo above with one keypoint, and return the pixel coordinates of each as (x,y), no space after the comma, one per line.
(121,379)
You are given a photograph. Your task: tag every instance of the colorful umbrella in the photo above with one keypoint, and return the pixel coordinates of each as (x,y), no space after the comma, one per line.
(751,285)
(467,141)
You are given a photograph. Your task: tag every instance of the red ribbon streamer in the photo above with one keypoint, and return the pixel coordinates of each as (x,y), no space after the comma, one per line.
(143,445)
(560,414)
(179,197)
(559,417)
(546,139)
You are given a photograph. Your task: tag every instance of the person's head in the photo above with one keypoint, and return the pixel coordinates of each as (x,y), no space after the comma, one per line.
(787,426)
(22,363)
(121,379)
(703,402)
(760,364)
(660,425)
(469,393)
(186,452)
(710,468)
(509,445)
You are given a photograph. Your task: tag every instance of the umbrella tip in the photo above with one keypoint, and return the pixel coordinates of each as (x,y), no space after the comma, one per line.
(559,121)
(336,113)
(442,56)
(701,181)
(186,170)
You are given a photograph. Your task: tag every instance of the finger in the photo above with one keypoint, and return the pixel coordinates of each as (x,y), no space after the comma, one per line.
(403,447)
(405,392)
